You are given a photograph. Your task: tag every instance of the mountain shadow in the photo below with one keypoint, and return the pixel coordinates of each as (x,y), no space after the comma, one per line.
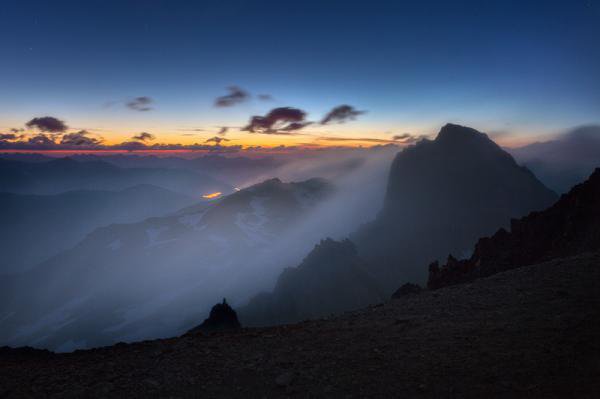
(570,227)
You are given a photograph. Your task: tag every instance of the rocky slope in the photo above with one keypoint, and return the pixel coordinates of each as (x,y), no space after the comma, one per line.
(442,195)
(527,332)
(571,226)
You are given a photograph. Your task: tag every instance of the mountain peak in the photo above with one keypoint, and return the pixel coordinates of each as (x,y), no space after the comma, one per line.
(456,133)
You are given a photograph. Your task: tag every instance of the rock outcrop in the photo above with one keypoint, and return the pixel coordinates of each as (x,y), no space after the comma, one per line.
(222,318)
(570,227)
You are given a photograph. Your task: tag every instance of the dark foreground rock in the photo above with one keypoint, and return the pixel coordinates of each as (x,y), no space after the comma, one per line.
(530,332)
(222,318)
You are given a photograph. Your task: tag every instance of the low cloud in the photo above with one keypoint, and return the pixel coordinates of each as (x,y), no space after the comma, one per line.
(341,114)
(8,136)
(406,138)
(47,124)
(141,104)
(143,137)
(223,130)
(235,96)
(283,120)
(265,97)
(80,139)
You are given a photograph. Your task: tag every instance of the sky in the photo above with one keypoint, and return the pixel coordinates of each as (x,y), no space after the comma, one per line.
(111,70)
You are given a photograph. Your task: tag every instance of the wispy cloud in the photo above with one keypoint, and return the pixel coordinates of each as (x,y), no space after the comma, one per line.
(141,104)
(341,114)
(235,96)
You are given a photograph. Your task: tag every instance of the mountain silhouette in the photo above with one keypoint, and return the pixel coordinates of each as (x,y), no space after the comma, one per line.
(569,227)
(331,279)
(441,196)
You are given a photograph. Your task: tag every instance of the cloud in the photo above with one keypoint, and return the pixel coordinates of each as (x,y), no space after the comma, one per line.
(216,140)
(235,96)
(265,97)
(140,104)
(41,140)
(47,124)
(283,120)
(341,114)
(80,139)
(365,139)
(17,130)
(143,137)
(8,136)
(406,138)
(223,130)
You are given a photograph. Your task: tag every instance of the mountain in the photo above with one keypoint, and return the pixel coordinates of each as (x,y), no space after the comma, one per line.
(563,162)
(569,227)
(66,174)
(331,279)
(35,227)
(530,332)
(441,196)
(158,277)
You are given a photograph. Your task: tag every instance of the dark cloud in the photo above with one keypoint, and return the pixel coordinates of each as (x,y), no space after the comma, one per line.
(235,96)
(283,120)
(265,97)
(144,136)
(341,114)
(406,138)
(80,139)
(41,140)
(8,136)
(216,140)
(223,130)
(141,104)
(17,130)
(47,124)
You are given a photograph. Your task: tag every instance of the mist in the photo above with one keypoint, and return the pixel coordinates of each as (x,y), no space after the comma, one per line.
(160,276)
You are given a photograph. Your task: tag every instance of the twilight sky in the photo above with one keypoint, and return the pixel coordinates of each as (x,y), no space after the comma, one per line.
(181,70)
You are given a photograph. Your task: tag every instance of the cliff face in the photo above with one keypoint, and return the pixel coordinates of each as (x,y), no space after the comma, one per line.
(569,227)
(442,195)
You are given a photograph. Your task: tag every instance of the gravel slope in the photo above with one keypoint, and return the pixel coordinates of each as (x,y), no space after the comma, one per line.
(528,332)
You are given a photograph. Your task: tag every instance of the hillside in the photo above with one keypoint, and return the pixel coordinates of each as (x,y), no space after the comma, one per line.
(528,332)
(35,227)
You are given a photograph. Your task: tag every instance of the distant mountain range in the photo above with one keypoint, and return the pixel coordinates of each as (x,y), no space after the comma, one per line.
(159,276)
(35,227)
(66,174)
(565,161)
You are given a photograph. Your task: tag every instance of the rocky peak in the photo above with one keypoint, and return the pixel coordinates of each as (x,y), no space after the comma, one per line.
(222,317)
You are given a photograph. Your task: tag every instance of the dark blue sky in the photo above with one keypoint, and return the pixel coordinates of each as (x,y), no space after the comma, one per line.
(526,67)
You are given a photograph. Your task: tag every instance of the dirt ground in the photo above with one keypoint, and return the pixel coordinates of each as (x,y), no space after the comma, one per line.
(529,332)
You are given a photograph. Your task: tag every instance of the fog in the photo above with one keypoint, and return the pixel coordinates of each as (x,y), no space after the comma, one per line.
(159,277)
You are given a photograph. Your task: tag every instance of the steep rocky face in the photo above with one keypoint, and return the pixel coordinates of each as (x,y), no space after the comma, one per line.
(222,317)
(569,227)
(442,195)
(331,279)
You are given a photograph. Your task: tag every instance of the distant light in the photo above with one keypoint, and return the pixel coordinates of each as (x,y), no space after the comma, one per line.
(211,195)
